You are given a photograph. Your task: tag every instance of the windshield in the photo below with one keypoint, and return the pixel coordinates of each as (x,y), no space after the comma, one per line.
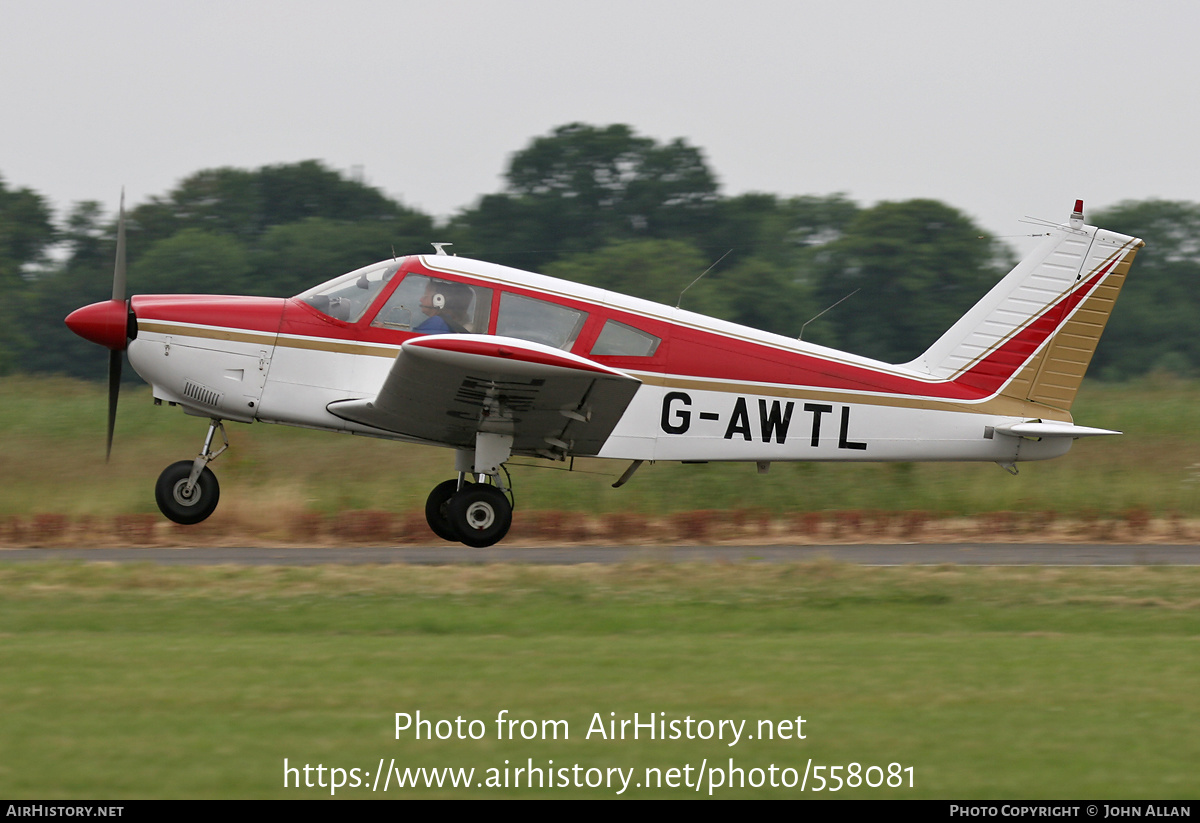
(347,297)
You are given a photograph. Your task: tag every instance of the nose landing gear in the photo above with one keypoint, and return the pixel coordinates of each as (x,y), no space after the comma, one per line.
(187,492)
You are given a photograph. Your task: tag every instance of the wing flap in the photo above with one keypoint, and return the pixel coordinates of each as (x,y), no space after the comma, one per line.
(447,388)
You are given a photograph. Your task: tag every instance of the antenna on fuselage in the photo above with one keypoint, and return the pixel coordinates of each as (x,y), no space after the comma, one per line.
(697,280)
(814,317)
(441,248)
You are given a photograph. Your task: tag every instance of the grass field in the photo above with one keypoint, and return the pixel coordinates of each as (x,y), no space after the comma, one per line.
(144,681)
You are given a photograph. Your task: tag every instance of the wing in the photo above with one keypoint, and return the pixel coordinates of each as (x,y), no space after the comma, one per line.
(447,388)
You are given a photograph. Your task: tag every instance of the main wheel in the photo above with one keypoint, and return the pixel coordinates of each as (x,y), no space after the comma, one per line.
(435,510)
(481,515)
(174,500)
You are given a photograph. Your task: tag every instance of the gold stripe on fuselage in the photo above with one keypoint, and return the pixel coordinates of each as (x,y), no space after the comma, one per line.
(269,339)
(238,336)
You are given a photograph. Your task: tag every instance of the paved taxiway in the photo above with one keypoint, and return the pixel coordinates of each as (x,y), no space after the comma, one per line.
(972,554)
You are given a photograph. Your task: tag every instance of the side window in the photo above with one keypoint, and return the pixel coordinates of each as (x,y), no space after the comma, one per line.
(538,321)
(620,340)
(432,306)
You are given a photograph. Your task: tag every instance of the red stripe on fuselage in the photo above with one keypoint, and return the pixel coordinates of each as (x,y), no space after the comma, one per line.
(696,353)
(262,314)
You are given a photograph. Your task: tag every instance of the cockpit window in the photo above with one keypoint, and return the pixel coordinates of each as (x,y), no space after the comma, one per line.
(429,305)
(536,320)
(618,339)
(347,297)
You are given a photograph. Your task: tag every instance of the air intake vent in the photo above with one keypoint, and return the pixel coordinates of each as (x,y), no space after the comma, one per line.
(201,394)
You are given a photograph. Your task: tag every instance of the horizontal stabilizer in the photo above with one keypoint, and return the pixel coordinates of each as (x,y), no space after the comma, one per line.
(1038,428)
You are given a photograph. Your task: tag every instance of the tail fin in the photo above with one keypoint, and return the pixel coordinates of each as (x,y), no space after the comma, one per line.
(1033,335)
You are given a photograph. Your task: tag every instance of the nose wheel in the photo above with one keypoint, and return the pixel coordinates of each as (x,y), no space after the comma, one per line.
(476,514)
(186,503)
(187,492)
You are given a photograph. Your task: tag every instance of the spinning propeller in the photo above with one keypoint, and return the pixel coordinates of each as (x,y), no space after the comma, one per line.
(110,324)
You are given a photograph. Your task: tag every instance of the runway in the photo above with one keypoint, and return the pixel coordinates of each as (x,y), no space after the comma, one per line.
(967,554)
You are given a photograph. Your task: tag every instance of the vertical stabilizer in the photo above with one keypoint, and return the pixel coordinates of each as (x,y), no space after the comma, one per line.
(1033,335)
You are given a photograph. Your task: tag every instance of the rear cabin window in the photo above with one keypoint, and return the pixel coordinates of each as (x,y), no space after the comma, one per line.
(538,321)
(429,305)
(619,340)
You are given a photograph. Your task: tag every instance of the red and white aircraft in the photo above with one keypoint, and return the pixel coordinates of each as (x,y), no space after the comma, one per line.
(494,362)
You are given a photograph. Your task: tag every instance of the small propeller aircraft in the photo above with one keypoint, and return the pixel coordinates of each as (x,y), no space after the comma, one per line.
(494,362)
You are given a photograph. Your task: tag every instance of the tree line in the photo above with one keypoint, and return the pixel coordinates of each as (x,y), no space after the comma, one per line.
(599,205)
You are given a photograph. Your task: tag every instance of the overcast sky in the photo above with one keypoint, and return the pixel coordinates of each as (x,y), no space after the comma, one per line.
(1001,109)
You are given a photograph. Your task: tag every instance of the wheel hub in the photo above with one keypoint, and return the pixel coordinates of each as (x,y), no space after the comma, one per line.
(184,496)
(480,516)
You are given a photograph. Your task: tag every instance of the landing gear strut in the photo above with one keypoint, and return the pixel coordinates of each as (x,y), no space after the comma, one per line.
(187,492)
(477,514)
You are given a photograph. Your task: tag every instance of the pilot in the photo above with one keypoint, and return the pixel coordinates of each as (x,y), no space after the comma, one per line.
(445,305)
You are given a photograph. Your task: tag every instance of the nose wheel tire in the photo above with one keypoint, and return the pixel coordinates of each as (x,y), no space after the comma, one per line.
(177,503)
(480,515)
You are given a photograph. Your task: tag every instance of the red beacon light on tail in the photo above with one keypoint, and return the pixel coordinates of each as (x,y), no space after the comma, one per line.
(1077,215)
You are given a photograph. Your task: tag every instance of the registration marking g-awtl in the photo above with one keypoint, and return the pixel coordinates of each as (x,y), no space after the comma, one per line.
(774,419)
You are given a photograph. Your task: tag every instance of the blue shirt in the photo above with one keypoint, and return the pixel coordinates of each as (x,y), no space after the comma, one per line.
(434,325)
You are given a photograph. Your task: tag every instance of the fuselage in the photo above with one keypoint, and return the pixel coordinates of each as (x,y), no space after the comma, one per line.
(710,390)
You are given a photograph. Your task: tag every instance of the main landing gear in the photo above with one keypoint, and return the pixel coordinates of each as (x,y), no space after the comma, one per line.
(478,514)
(187,492)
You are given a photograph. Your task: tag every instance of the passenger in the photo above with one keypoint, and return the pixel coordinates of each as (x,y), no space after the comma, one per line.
(445,305)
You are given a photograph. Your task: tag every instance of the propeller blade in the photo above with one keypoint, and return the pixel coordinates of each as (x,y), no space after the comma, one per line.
(114,355)
(119,270)
(114,389)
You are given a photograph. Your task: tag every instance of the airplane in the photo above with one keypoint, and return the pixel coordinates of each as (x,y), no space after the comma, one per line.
(494,363)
